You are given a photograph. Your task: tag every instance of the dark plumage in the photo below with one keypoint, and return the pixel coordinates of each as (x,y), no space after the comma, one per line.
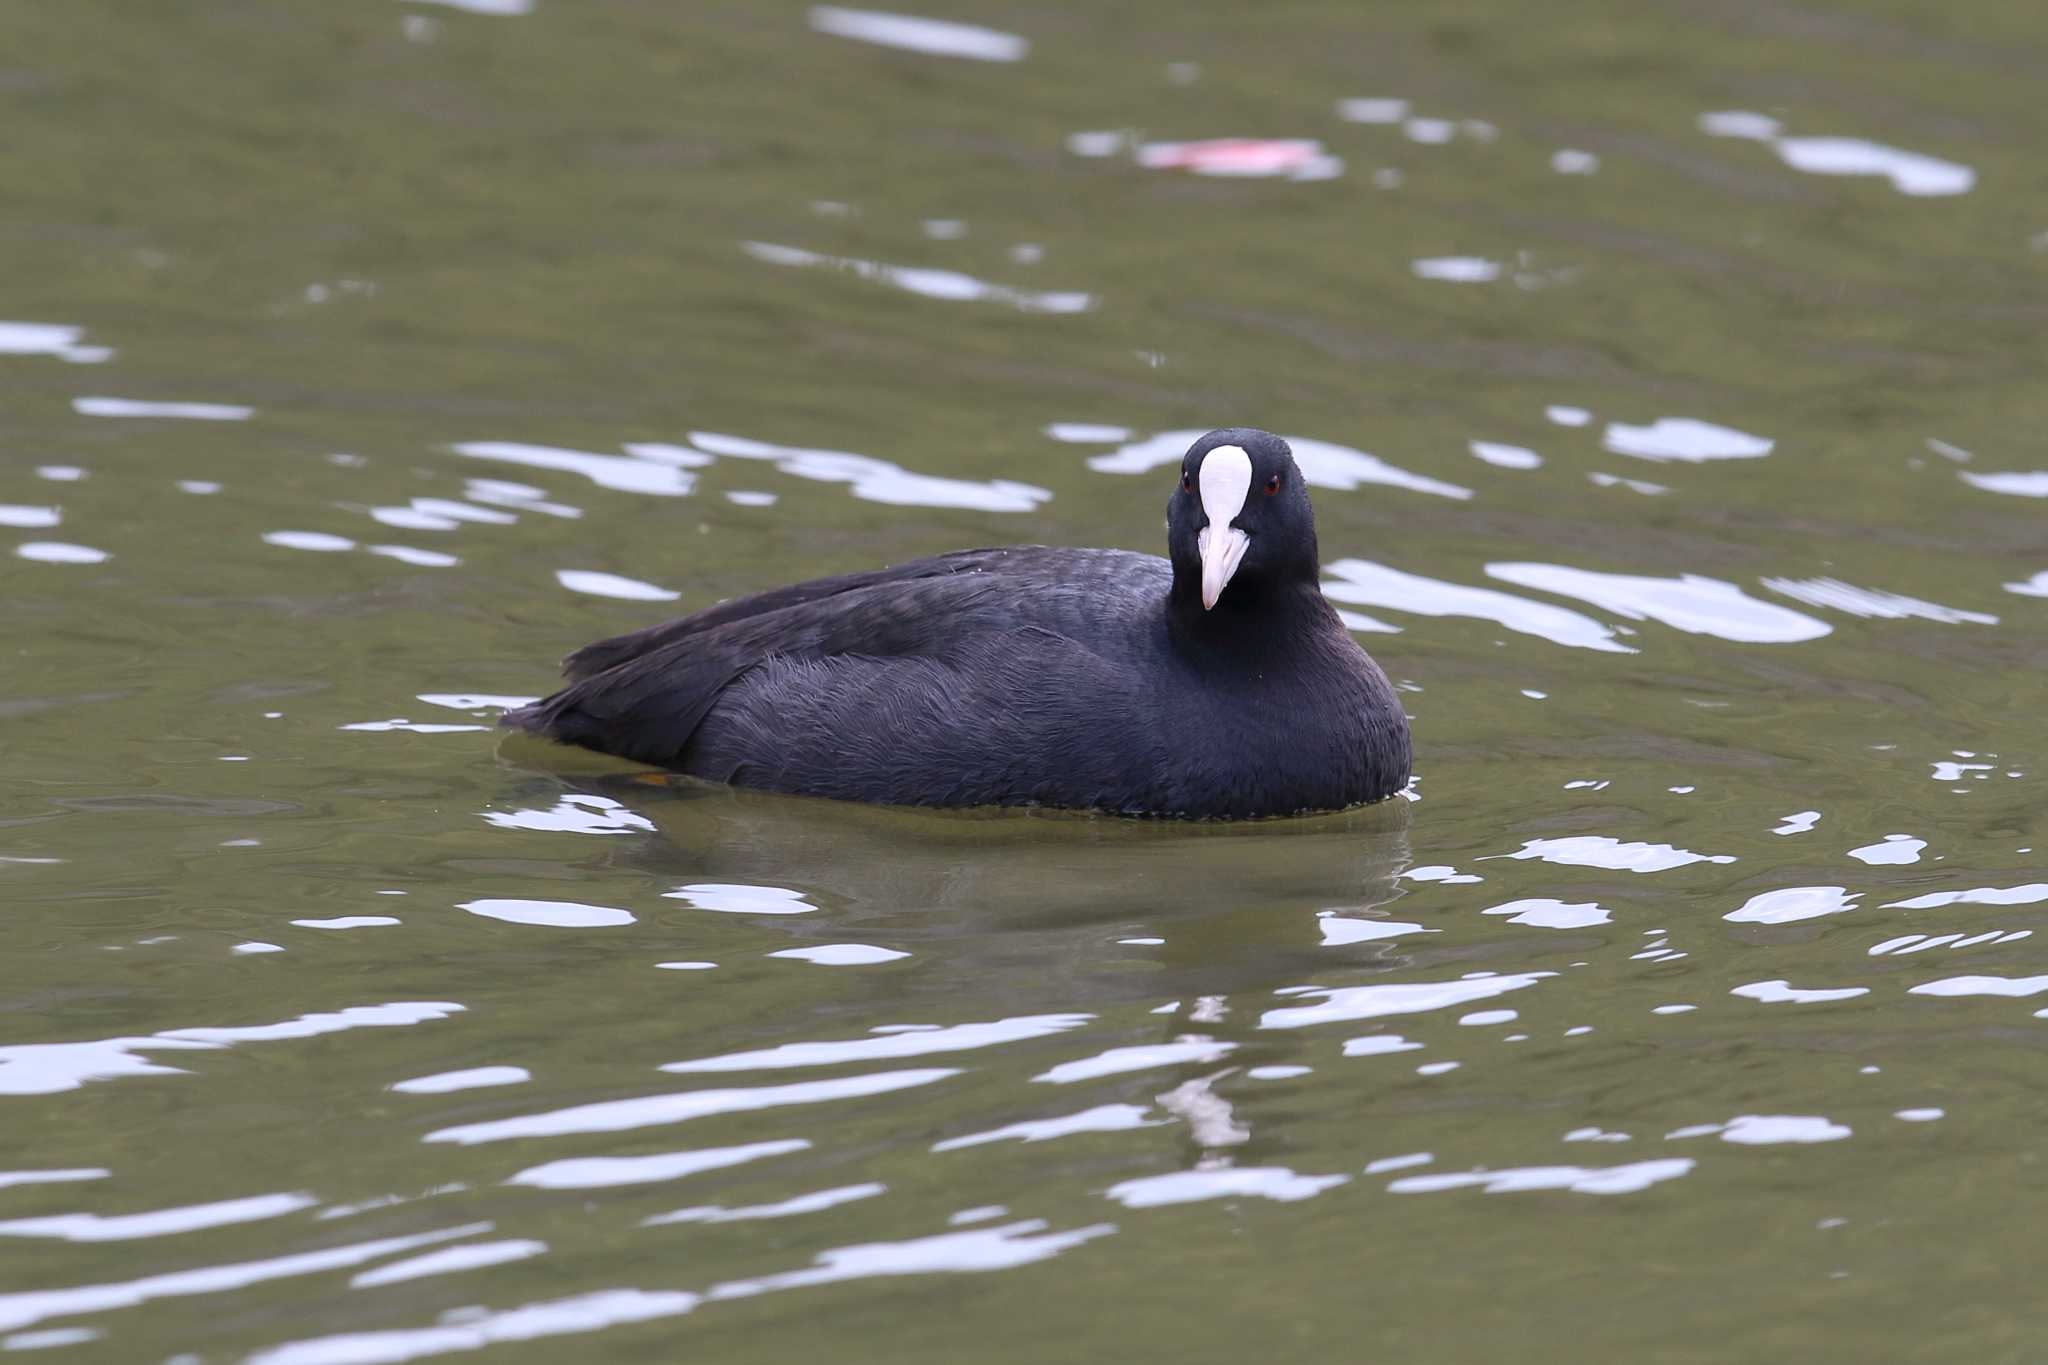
(1027,675)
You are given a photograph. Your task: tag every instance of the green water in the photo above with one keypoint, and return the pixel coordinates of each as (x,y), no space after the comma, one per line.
(1077,1089)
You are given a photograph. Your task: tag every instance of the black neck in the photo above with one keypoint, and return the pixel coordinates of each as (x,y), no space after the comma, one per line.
(1250,620)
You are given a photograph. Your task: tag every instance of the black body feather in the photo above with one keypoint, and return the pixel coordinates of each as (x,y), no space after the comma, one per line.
(1017,676)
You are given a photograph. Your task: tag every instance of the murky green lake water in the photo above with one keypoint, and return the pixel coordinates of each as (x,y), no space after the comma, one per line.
(1671,379)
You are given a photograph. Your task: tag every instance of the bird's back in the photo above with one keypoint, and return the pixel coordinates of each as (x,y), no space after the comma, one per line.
(821,683)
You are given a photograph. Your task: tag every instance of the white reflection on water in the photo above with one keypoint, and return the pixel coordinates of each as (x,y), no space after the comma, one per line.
(1686,439)
(1643,486)
(734,898)
(413,727)
(1505,456)
(596,584)
(33,1306)
(135,407)
(472,1256)
(426,559)
(1222,1182)
(1692,603)
(1910,172)
(1458,269)
(320,542)
(573,813)
(1442,872)
(1800,822)
(58,552)
(938,37)
(1343,1003)
(980,1213)
(438,514)
(477,701)
(2011,987)
(662,471)
(1379,1045)
(982,1249)
(842,954)
(599,1172)
(523,496)
(1118,1060)
(1087,433)
(1358,620)
(28,518)
(815,1202)
(1896,849)
(1338,930)
(2028,894)
(50,338)
(1398,1163)
(1764,1130)
(57,1175)
(2030,484)
(45,1068)
(555,914)
(927,282)
(476,1077)
(1871,602)
(1598,850)
(2037,586)
(386,1201)
(1210,1118)
(1098,142)
(1920,943)
(92,1227)
(1375,585)
(1325,464)
(529,1322)
(1552,914)
(649,1111)
(1104,1118)
(1637,1175)
(1783,992)
(1790,904)
(55,1336)
(874,480)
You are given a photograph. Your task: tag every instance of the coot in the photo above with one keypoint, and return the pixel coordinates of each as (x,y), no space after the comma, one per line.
(1216,682)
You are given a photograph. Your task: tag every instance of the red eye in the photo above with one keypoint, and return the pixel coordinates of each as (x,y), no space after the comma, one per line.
(1272,485)
(1187,482)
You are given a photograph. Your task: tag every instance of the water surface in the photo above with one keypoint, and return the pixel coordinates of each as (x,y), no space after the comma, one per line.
(1670,384)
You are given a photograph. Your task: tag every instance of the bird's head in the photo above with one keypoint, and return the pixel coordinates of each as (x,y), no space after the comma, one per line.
(1238,525)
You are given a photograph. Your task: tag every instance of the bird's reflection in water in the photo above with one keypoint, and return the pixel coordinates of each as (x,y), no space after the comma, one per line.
(1034,903)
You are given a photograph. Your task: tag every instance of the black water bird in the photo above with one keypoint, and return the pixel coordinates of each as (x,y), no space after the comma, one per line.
(1216,682)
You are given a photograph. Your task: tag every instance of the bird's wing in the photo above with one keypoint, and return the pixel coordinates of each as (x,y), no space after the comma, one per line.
(649,702)
(593,659)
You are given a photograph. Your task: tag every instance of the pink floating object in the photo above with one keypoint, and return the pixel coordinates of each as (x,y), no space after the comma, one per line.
(1250,156)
